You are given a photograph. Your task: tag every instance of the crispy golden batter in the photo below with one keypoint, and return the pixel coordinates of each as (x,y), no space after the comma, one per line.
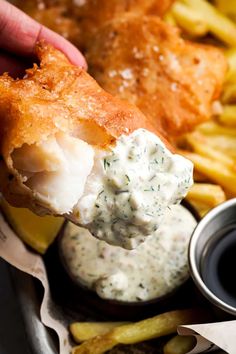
(146,62)
(60,96)
(54,14)
(92,14)
(56,97)
(77,20)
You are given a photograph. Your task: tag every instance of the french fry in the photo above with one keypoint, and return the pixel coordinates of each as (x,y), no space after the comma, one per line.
(209,194)
(169,18)
(228,117)
(82,331)
(189,20)
(214,170)
(200,145)
(210,128)
(220,25)
(201,208)
(227,7)
(154,327)
(199,177)
(229,93)
(212,147)
(231,58)
(227,144)
(179,345)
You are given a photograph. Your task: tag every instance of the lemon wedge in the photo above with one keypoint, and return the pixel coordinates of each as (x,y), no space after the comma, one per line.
(36,231)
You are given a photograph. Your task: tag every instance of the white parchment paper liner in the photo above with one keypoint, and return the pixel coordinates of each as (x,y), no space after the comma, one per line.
(13,250)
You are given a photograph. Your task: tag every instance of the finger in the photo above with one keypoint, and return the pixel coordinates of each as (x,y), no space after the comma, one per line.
(14,66)
(19,34)
(62,44)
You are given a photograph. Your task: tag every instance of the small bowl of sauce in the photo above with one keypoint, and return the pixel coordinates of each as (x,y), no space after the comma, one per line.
(212,256)
(130,284)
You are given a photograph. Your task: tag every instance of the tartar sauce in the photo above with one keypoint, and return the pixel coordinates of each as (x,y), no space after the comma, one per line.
(130,188)
(153,269)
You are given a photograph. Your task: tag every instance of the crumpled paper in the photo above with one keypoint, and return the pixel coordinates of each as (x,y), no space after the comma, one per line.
(13,250)
(211,336)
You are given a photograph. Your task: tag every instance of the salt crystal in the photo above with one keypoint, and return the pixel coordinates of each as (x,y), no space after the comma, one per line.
(155,48)
(173,62)
(79,2)
(126,74)
(41,6)
(112,73)
(217,108)
(145,72)
(174,86)
(137,53)
(125,83)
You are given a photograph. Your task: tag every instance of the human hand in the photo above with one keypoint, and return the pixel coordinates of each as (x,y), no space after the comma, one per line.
(18,35)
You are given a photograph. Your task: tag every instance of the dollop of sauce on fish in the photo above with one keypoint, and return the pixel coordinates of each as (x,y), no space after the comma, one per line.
(153,269)
(130,187)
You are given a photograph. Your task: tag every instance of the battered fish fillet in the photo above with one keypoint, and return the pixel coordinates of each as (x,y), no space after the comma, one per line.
(69,148)
(55,98)
(77,20)
(145,62)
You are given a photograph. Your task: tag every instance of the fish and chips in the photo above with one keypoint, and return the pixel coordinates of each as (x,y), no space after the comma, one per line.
(163,66)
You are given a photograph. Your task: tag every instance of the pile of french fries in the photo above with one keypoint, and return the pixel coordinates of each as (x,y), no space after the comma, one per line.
(212,146)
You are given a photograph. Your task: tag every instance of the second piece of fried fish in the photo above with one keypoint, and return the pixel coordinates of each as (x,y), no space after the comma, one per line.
(145,61)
